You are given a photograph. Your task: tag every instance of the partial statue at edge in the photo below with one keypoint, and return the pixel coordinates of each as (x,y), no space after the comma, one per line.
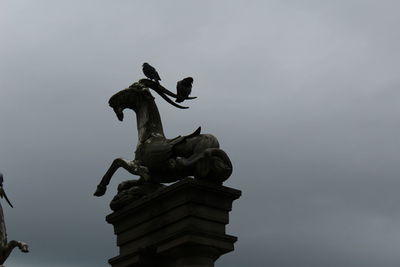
(7,247)
(158,159)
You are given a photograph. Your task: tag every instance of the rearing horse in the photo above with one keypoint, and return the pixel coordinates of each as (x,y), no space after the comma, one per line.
(158,159)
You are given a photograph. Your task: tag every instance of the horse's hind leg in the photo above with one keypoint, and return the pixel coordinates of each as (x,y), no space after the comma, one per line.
(131,166)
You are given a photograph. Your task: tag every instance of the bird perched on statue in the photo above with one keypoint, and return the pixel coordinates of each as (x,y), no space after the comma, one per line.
(183,89)
(151,73)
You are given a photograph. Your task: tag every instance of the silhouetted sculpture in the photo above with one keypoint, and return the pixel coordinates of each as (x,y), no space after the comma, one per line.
(7,247)
(183,89)
(182,224)
(158,159)
(150,72)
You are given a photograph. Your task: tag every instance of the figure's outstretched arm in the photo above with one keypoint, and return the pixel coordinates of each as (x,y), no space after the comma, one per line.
(9,248)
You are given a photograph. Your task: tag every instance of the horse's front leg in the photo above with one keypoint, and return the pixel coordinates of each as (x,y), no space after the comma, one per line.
(131,166)
(9,248)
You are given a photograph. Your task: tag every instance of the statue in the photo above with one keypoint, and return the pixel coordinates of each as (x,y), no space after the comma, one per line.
(159,159)
(7,247)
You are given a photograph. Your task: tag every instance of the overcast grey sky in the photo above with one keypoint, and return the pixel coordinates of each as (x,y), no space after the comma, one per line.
(303,95)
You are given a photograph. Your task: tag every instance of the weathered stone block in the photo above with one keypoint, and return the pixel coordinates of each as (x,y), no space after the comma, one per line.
(179,225)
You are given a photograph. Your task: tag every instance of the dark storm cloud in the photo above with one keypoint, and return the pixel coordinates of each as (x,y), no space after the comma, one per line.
(302,94)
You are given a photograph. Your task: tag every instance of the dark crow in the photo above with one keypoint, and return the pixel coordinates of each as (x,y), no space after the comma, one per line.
(150,72)
(183,89)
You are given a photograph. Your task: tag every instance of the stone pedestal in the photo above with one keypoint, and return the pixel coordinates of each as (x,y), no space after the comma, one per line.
(182,225)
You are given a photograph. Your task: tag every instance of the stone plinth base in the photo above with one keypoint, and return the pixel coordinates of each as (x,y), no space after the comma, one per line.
(182,225)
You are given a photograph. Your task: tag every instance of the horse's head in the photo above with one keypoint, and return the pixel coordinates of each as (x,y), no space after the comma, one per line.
(138,94)
(129,98)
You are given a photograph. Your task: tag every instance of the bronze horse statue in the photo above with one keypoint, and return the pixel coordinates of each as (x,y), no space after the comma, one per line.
(7,247)
(157,158)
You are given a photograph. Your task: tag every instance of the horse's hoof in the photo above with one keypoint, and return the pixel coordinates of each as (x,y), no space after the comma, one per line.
(101,190)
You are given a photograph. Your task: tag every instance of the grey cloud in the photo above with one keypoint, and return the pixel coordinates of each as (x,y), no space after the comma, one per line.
(302,94)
